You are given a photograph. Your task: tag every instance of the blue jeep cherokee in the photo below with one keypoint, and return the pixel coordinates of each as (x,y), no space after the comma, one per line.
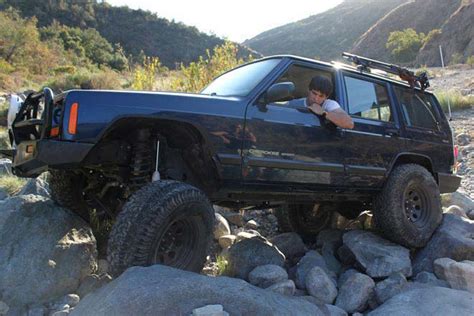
(154,163)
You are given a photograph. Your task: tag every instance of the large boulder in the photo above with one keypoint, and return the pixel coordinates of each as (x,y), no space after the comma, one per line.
(377,256)
(162,290)
(428,301)
(290,244)
(321,286)
(221,227)
(267,275)
(389,287)
(307,263)
(248,254)
(459,275)
(45,251)
(453,239)
(355,292)
(36,186)
(459,199)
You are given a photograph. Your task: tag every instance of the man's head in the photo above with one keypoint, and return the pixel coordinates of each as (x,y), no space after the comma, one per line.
(320,88)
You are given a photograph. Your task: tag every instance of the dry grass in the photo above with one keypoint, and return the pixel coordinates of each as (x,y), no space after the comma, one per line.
(11,184)
(456,99)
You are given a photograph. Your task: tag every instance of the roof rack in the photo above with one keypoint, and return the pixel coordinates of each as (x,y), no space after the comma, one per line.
(366,64)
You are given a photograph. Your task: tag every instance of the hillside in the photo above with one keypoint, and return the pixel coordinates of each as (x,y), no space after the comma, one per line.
(324,35)
(451,38)
(134,30)
(421,15)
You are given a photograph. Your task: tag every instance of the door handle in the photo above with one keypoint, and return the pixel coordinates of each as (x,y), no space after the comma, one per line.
(392,132)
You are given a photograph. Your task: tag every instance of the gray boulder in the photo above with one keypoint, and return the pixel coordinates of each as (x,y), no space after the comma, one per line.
(427,302)
(307,263)
(248,254)
(355,292)
(453,239)
(456,210)
(290,244)
(36,186)
(430,278)
(463,139)
(389,287)
(162,290)
(332,237)
(459,275)
(470,214)
(3,194)
(286,287)
(321,286)
(264,276)
(459,199)
(377,256)
(45,251)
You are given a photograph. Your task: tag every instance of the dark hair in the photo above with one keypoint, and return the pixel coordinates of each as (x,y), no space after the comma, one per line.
(321,84)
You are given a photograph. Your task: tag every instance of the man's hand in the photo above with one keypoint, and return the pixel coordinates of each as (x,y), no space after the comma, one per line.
(316,109)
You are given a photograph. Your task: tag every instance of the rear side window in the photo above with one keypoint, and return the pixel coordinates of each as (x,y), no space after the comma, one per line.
(368,99)
(417,108)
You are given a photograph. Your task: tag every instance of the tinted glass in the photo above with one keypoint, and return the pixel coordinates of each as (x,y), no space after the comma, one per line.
(368,99)
(417,108)
(240,81)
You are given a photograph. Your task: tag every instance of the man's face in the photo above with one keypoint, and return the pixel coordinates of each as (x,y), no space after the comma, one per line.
(315,96)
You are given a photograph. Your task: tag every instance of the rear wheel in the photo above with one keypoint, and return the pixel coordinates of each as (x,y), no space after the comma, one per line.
(306,219)
(408,210)
(165,222)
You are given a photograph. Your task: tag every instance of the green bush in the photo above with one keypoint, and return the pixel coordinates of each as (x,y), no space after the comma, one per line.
(83,79)
(144,77)
(456,99)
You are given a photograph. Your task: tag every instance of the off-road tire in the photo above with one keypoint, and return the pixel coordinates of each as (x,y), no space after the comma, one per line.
(303,218)
(408,210)
(66,190)
(148,221)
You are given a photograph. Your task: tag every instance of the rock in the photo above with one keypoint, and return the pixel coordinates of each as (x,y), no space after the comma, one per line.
(45,251)
(345,275)
(5,166)
(210,310)
(103,266)
(430,279)
(346,256)
(286,287)
(64,312)
(459,275)
(377,256)
(329,236)
(252,224)
(70,300)
(334,311)
(320,285)
(456,210)
(329,256)
(221,227)
(470,214)
(309,261)
(37,311)
(91,283)
(459,199)
(428,301)
(267,275)
(162,290)
(290,244)
(3,194)
(234,218)
(246,235)
(453,239)
(36,186)
(226,241)
(463,139)
(248,254)
(355,292)
(389,287)
(3,308)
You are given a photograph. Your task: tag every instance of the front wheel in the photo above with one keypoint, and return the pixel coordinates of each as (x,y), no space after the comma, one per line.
(165,222)
(408,210)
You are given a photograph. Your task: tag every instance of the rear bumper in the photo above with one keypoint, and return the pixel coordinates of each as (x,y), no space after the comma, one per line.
(448,182)
(36,156)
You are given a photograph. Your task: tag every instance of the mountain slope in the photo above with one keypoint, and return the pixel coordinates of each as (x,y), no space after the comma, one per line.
(421,15)
(324,35)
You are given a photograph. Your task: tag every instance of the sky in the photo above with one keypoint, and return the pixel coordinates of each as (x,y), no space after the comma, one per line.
(236,20)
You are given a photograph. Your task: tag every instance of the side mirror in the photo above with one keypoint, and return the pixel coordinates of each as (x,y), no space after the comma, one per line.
(279,92)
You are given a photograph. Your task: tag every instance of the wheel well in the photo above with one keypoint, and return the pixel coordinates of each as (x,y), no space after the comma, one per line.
(180,143)
(416,159)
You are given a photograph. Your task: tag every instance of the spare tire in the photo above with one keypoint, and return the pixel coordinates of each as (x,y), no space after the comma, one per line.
(165,222)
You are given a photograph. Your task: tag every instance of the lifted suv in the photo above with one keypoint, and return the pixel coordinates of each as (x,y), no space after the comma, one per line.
(154,162)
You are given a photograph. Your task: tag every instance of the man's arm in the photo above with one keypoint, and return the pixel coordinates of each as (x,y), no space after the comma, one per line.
(337,116)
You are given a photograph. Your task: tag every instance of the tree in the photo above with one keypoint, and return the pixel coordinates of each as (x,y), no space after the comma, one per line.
(405,44)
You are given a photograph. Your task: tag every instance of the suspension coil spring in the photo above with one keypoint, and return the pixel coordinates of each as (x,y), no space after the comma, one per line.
(141,163)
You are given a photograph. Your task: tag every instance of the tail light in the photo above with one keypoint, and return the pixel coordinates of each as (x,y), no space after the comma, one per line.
(72,127)
(456,155)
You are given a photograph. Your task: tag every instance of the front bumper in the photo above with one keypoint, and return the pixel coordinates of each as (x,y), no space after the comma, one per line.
(448,182)
(36,156)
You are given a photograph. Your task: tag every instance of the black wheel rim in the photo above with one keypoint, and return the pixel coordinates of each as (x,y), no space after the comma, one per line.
(176,245)
(416,205)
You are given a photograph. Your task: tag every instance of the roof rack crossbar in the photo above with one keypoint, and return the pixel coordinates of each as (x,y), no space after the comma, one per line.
(365,64)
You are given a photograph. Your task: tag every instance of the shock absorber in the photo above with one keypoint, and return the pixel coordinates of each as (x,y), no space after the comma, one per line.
(141,162)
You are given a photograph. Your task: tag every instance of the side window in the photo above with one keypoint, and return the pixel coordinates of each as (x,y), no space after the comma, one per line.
(368,99)
(417,109)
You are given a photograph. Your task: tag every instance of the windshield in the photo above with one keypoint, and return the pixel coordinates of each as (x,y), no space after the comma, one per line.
(241,81)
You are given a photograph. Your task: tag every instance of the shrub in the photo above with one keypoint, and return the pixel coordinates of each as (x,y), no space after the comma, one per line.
(470,61)
(12,184)
(83,79)
(457,101)
(144,76)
